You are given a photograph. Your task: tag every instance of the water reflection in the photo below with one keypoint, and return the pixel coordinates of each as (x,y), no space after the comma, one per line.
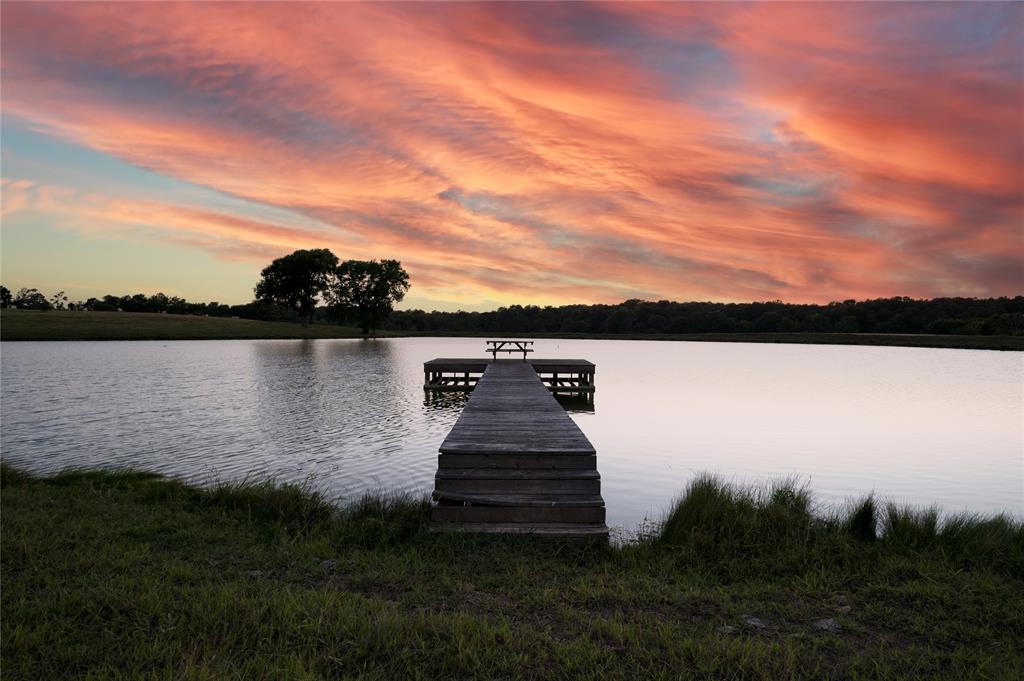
(918,425)
(450,400)
(577,404)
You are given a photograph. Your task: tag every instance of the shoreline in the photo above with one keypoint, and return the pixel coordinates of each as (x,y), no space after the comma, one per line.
(18,326)
(108,571)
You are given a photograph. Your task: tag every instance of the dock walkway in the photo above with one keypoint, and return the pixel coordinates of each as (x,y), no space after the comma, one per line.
(515,462)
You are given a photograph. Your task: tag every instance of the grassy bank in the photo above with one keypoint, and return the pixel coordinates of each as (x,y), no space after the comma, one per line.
(21,325)
(128,575)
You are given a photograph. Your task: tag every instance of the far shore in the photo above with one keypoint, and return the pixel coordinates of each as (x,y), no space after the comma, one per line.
(25,325)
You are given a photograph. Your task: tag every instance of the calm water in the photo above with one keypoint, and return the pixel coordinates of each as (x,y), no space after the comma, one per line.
(916,425)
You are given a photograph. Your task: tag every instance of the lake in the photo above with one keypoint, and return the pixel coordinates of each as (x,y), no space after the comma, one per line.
(916,425)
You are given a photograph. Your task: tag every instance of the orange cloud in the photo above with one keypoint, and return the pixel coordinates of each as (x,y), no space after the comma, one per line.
(557,153)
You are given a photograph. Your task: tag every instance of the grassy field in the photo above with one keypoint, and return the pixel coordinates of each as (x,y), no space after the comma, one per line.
(19,325)
(123,575)
(16,325)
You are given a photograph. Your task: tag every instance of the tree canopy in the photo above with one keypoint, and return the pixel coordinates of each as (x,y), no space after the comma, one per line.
(367,290)
(31,299)
(297,281)
(984,316)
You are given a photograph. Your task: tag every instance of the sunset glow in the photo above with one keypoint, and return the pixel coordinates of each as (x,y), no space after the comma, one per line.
(518,153)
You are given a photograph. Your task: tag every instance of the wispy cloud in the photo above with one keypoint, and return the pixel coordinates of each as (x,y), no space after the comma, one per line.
(558,152)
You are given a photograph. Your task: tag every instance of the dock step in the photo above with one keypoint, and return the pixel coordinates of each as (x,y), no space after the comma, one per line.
(532,461)
(518,445)
(517,474)
(555,530)
(518,514)
(554,500)
(521,485)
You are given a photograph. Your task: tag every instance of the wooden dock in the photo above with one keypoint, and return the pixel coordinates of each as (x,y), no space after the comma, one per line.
(515,462)
(573,377)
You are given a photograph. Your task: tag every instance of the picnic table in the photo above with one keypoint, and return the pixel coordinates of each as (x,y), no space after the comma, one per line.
(496,346)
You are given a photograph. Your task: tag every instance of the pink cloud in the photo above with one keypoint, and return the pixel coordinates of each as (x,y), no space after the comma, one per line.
(560,153)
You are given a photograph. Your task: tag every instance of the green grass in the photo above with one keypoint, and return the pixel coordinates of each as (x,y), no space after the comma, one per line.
(21,325)
(121,574)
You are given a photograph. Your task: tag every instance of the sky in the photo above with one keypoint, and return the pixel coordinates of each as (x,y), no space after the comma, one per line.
(517,153)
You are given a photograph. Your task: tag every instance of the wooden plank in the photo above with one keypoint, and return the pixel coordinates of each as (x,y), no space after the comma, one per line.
(553,500)
(517,474)
(527,514)
(519,486)
(525,447)
(505,460)
(553,530)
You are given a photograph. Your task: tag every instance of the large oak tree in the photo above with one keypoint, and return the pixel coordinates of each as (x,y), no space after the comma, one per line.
(366,290)
(298,280)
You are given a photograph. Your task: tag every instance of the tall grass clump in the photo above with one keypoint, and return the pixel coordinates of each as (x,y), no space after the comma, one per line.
(910,527)
(10,476)
(296,506)
(715,518)
(862,522)
(964,539)
(379,519)
(729,525)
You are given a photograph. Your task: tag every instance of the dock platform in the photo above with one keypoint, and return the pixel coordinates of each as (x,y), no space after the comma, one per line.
(515,462)
(561,376)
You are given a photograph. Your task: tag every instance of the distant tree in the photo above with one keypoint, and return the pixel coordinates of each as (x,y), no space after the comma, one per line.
(297,281)
(657,323)
(367,290)
(31,299)
(5,296)
(176,305)
(58,301)
(848,324)
(136,303)
(816,322)
(769,321)
(157,303)
(620,321)
(1008,323)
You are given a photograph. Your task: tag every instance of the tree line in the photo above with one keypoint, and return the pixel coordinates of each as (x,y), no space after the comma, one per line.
(33,299)
(313,286)
(304,286)
(1002,316)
